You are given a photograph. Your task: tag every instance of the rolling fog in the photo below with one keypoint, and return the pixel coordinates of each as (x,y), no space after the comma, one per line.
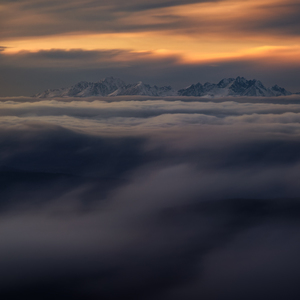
(138,198)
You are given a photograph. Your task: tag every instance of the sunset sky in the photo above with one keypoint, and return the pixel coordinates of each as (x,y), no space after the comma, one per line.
(146,196)
(51,44)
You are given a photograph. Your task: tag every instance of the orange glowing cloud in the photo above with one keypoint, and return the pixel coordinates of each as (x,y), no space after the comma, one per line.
(56,34)
(195,31)
(190,49)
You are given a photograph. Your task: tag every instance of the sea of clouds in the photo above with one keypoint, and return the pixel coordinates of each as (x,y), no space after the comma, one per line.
(143,198)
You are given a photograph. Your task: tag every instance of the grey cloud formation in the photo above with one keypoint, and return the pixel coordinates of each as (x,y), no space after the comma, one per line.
(287,21)
(54,17)
(78,58)
(149,199)
(144,5)
(226,110)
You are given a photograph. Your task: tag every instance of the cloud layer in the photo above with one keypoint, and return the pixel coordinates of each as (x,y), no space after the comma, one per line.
(149,199)
(139,198)
(53,17)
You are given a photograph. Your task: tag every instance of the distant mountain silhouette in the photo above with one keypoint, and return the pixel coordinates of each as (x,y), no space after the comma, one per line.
(111,86)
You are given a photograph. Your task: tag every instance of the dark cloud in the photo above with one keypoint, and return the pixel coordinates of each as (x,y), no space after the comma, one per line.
(58,58)
(149,199)
(283,18)
(168,254)
(42,162)
(61,151)
(144,5)
(54,17)
(273,19)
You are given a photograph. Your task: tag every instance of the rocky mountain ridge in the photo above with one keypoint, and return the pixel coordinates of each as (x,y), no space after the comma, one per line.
(111,86)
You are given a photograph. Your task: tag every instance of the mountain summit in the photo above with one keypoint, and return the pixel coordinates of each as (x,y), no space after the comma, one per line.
(111,86)
(239,86)
(103,87)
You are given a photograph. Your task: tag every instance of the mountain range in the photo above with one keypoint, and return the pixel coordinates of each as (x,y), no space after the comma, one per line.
(111,86)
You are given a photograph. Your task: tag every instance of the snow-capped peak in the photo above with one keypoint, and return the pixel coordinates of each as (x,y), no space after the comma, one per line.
(111,86)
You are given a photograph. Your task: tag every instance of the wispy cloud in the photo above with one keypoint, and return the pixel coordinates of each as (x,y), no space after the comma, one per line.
(194,17)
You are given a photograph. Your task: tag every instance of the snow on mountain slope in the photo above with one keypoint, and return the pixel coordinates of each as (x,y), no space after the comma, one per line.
(111,86)
(279,91)
(144,89)
(239,86)
(108,87)
(103,87)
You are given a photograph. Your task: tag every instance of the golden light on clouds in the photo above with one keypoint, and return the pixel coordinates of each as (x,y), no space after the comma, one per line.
(187,32)
(189,49)
(214,39)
